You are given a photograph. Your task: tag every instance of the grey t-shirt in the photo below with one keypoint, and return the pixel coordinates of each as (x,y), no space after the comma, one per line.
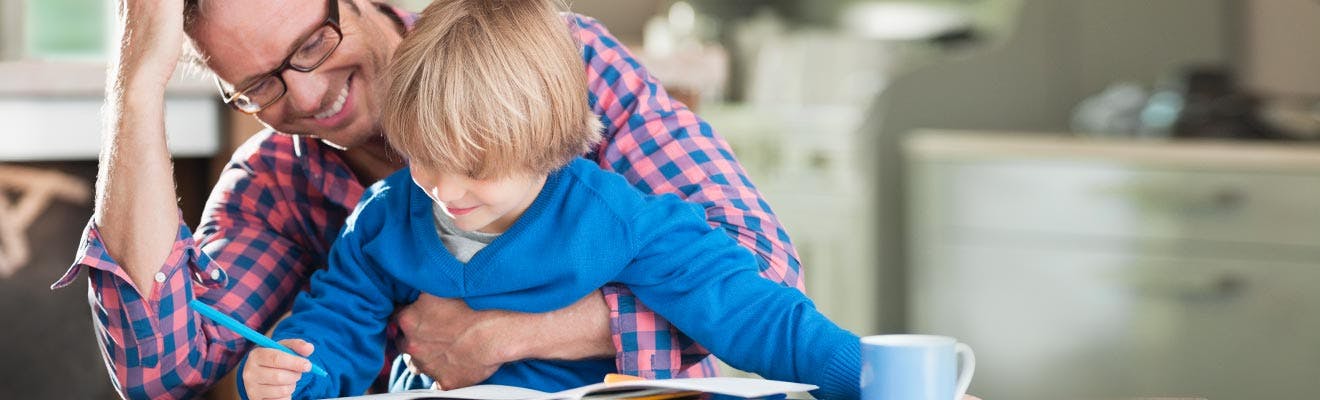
(462,244)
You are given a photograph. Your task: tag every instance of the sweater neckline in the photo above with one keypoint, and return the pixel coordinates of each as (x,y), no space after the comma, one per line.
(427,240)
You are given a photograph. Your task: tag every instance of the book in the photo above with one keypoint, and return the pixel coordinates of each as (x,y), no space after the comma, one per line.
(659,389)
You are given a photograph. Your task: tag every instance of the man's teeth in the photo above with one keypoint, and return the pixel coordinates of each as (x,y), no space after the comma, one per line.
(334,108)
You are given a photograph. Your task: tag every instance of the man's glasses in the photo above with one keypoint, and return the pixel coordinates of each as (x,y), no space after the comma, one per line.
(266,89)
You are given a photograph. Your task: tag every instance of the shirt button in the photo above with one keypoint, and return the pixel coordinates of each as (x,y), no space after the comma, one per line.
(160,277)
(215,274)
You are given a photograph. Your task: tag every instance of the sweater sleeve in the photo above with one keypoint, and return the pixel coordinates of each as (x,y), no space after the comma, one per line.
(659,145)
(706,285)
(344,312)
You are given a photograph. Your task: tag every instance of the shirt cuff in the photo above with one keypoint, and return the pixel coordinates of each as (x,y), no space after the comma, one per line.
(93,254)
(624,357)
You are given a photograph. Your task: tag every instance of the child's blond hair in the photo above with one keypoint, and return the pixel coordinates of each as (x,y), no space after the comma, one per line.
(488,89)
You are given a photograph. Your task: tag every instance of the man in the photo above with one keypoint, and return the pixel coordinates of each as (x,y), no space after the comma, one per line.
(310,70)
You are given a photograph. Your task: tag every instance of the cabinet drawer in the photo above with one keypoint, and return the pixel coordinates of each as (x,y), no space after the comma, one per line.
(1113,325)
(1108,200)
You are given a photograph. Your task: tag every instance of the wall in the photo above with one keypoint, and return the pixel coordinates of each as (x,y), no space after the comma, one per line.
(1279,59)
(11,29)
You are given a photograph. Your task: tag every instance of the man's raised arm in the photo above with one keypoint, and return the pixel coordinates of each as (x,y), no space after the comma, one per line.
(136,212)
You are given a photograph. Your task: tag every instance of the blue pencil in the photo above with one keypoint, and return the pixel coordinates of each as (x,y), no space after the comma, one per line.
(248,333)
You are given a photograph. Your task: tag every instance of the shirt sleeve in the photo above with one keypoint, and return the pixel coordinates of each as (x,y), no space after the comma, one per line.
(707,286)
(660,146)
(156,347)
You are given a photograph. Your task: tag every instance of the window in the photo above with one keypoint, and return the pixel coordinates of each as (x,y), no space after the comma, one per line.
(54,29)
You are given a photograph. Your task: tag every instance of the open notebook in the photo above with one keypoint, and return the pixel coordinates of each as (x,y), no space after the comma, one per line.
(630,389)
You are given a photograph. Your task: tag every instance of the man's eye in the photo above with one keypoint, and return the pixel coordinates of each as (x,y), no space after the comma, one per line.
(315,46)
(259,87)
(311,46)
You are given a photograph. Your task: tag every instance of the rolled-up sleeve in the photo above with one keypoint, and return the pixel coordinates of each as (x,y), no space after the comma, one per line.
(156,347)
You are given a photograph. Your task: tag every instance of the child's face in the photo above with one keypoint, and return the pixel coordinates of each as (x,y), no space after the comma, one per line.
(489,206)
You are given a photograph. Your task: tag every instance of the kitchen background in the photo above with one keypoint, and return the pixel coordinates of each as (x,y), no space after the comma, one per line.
(1105,198)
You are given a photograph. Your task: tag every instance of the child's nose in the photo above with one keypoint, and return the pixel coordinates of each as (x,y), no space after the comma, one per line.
(450,188)
(448,194)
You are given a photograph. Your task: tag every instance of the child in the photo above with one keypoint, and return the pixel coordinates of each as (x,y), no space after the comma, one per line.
(485,101)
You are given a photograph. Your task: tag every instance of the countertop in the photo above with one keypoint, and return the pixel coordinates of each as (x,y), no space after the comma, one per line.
(83,78)
(1185,153)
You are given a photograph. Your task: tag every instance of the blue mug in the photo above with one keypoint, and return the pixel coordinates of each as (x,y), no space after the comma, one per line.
(915,367)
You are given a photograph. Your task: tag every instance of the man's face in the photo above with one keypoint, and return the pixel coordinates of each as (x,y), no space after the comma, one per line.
(338,101)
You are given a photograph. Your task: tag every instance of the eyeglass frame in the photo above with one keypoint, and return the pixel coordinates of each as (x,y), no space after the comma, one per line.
(331,20)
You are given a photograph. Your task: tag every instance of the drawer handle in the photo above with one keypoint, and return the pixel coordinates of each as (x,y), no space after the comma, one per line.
(1189,286)
(1228,198)
(1173,200)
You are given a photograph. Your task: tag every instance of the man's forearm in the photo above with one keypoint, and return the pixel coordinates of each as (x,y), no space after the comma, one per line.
(579,331)
(459,346)
(135,209)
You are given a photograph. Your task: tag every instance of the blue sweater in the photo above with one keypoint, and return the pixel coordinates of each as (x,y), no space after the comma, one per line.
(587,227)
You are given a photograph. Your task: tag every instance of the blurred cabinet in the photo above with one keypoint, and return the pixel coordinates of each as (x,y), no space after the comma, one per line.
(53,111)
(1092,269)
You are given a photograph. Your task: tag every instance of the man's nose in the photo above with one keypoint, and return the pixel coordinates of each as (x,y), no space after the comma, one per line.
(305,91)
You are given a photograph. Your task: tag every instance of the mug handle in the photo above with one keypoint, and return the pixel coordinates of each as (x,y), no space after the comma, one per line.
(965,369)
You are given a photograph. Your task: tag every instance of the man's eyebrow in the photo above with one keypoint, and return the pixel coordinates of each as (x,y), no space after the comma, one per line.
(288,56)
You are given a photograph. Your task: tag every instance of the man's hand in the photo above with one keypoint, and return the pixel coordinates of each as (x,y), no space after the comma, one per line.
(451,342)
(151,38)
(458,346)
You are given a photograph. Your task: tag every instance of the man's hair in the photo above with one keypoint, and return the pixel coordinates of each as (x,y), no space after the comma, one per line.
(488,89)
(190,55)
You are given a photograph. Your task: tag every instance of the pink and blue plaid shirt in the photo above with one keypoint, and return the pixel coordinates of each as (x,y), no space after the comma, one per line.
(279,204)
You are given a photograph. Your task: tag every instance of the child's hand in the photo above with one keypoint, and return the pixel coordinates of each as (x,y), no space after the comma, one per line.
(273,374)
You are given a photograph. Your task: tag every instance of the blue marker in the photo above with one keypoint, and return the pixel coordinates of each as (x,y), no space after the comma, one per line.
(248,333)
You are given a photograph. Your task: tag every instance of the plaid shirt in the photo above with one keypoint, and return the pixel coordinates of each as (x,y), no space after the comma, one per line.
(278,205)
